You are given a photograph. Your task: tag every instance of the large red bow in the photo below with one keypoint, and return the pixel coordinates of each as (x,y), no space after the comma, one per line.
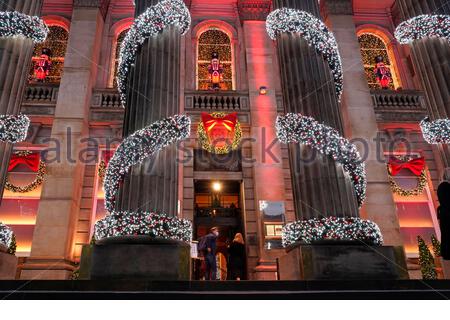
(228,122)
(31,161)
(416,166)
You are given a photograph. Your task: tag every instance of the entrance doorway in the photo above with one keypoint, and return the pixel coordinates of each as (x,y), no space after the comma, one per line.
(218,204)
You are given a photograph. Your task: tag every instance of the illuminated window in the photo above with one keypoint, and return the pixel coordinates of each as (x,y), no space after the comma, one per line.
(210,41)
(371,47)
(116,56)
(416,214)
(57,43)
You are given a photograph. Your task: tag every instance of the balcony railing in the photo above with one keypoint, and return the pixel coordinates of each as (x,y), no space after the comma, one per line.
(106,98)
(402,105)
(41,94)
(216,101)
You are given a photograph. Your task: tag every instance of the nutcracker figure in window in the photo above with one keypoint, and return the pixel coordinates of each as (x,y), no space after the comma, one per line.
(42,65)
(382,73)
(215,70)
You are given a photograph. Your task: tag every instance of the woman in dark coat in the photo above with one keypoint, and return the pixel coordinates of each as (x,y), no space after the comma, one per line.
(443,214)
(236,260)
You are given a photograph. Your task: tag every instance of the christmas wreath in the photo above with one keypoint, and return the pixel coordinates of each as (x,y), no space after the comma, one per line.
(31,160)
(219,132)
(415,165)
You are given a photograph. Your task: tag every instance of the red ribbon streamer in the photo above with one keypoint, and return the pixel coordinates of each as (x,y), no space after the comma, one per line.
(31,161)
(228,122)
(416,166)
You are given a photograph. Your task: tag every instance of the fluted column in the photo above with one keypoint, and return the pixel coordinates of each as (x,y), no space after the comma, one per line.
(320,187)
(153,94)
(15,59)
(431,59)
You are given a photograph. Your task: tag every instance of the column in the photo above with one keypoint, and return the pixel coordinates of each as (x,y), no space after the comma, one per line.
(431,59)
(360,119)
(52,246)
(320,187)
(15,59)
(153,94)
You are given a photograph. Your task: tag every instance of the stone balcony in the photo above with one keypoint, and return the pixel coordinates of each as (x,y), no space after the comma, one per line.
(399,106)
(40,99)
(211,101)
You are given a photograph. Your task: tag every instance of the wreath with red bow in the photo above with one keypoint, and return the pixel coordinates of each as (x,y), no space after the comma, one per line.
(32,161)
(219,132)
(415,165)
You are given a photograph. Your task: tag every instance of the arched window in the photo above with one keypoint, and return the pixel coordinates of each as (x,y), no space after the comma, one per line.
(210,41)
(371,47)
(57,43)
(116,56)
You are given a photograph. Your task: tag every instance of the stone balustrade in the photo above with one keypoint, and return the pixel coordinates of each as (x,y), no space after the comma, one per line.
(41,94)
(399,106)
(216,101)
(106,98)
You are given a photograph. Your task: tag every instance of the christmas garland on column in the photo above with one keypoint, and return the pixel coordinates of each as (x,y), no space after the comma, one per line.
(6,236)
(315,32)
(134,150)
(149,24)
(15,24)
(13,128)
(423,26)
(436,132)
(305,130)
(41,171)
(332,228)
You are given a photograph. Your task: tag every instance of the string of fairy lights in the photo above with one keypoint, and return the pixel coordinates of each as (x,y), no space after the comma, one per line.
(437,131)
(14,24)
(332,229)
(423,26)
(149,24)
(6,235)
(315,32)
(14,128)
(305,130)
(134,150)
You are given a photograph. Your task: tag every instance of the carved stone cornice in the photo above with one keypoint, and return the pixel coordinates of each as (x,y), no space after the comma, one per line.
(254,9)
(101,4)
(336,7)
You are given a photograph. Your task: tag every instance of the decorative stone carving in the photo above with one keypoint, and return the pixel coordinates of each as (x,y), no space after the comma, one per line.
(337,7)
(253,9)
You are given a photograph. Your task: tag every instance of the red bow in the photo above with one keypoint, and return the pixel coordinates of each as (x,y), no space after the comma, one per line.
(209,122)
(31,161)
(416,166)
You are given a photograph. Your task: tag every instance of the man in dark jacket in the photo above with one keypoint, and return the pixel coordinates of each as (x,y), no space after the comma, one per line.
(210,254)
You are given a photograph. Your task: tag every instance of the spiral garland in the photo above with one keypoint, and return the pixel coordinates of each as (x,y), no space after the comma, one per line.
(332,228)
(6,235)
(149,24)
(15,24)
(315,32)
(423,26)
(300,129)
(134,150)
(436,132)
(13,128)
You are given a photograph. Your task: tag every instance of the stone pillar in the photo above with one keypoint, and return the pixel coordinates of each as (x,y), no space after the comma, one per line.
(360,120)
(320,187)
(15,59)
(431,59)
(153,94)
(52,246)
(266,154)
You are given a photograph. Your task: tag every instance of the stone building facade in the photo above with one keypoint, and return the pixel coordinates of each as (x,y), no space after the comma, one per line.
(77,121)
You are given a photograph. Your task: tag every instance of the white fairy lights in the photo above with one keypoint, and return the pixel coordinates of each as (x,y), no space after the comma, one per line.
(149,24)
(134,150)
(423,26)
(332,229)
(6,235)
(13,128)
(15,24)
(436,132)
(300,129)
(315,32)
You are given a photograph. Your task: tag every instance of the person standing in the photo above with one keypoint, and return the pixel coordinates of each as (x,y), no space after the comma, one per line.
(236,262)
(210,254)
